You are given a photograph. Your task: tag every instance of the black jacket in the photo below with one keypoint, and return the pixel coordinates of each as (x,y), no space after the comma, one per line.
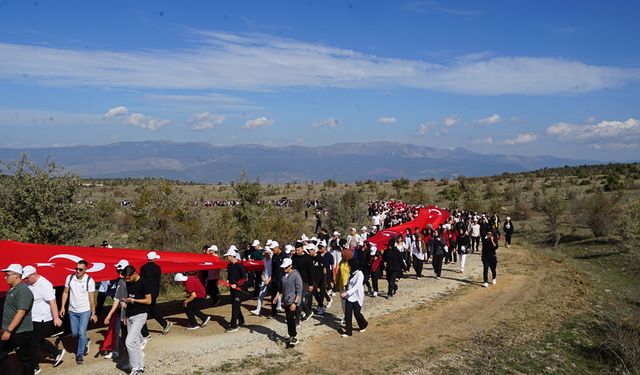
(151,273)
(304,265)
(393,259)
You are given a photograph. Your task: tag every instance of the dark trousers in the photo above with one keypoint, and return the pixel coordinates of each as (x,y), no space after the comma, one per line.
(374,278)
(305,305)
(353,309)
(319,292)
(275,286)
(417,266)
(193,309)
(437,264)
(42,330)
(21,342)
(407,261)
(451,256)
(102,297)
(291,321)
(153,313)
(489,262)
(236,313)
(507,238)
(366,272)
(213,291)
(391,279)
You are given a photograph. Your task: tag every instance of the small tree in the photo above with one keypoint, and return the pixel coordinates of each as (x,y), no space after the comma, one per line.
(38,204)
(400,184)
(553,207)
(600,213)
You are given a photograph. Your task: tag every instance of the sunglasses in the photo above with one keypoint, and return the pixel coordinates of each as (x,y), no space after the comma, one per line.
(80,269)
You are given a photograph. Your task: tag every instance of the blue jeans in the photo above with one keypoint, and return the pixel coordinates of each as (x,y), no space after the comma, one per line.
(79,323)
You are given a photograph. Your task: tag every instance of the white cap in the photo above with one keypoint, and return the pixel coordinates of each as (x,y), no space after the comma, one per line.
(28,271)
(288,249)
(508,218)
(364,228)
(310,247)
(213,248)
(14,268)
(304,237)
(313,239)
(122,263)
(286,262)
(267,250)
(462,248)
(255,243)
(180,277)
(232,251)
(274,244)
(336,233)
(322,243)
(152,255)
(353,230)
(268,243)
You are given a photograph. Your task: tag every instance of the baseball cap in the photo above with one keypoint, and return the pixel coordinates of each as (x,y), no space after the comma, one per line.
(122,263)
(364,228)
(286,262)
(28,271)
(288,249)
(213,248)
(13,268)
(255,243)
(274,244)
(336,233)
(304,237)
(152,255)
(179,277)
(310,247)
(232,251)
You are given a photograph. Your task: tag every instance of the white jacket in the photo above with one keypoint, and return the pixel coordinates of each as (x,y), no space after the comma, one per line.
(355,289)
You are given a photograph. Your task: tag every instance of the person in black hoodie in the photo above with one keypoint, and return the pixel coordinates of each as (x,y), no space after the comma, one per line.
(463,247)
(436,246)
(508,231)
(303,263)
(276,276)
(394,263)
(489,259)
(317,282)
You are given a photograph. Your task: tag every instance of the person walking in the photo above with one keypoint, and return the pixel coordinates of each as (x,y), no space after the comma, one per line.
(79,290)
(151,272)
(44,315)
(17,325)
(111,344)
(303,263)
(266,279)
(354,299)
(138,302)
(393,263)
(196,295)
(418,253)
(276,277)
(212,278)
(475,236)
(463,247)
(291,292)
(236,277)
(437,245)
(489,259)
(508,231)
(375,268)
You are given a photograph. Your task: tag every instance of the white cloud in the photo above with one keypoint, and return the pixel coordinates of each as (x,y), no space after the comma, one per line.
(137,120)
(482,141)
(259,62)
(330,123)
(388,120)
(521,139)
(257,123)
(586,133)
(205,120)
(425,127)
(116,111)
(450,121)
(613,146)
(491,120)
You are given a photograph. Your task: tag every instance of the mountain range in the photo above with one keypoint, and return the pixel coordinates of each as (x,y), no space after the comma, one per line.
(345,162)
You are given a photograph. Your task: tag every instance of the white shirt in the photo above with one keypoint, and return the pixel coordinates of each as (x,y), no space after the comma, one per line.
(475,230)
(43,292)
(355,289)
(79,294)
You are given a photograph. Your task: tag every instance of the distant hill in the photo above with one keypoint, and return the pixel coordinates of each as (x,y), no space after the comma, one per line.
(345,162)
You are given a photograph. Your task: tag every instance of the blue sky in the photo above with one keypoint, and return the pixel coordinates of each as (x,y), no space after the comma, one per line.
(540,77)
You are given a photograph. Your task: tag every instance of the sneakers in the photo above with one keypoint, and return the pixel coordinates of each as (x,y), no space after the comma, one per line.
(363,330)
(79,361)
(375,294)
(192,328)
(461,270)
(108,355)
(320,310)
(438,278)
(58,360)
(167,328)
(329,303)
(293,341)
(204,324)
(494,282)
(144,343)
(231,329)
(486,285)
(344,335)
(37,371)
(59,333)
(307,317)
(255,312)
(280,308)
(86,347)
(342,322)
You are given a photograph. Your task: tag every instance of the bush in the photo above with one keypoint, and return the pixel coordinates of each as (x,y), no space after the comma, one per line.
(522,210)
(600,213)
(553,206)
(621,341)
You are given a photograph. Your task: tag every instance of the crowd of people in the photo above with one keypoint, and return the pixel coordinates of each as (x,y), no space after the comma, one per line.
(321,269)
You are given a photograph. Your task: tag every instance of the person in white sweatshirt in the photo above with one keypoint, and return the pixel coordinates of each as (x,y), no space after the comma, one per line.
(354,298)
